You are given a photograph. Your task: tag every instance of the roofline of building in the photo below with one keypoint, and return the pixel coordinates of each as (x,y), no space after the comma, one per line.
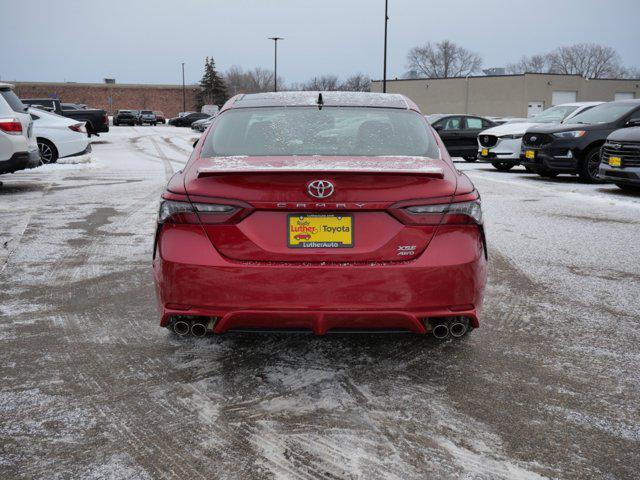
(99,85)
(506,75)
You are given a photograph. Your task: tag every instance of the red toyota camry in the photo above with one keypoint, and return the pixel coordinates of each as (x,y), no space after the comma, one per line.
(321,212)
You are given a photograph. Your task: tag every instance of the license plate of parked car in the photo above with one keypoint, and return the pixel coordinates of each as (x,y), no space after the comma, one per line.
(485,152)
(320,231)
(530,154)
(615,161)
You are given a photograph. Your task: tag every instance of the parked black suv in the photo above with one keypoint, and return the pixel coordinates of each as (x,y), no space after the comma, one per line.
(459,133)
(621,159)
(575,147)
(124,117)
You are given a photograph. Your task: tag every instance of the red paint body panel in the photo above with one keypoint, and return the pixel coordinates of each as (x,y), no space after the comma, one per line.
(189,271)
(242,271)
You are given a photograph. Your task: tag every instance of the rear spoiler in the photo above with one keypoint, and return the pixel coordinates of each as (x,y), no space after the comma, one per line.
(421,166)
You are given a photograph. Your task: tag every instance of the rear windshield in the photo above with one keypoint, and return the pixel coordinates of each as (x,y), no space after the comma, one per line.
(605,113)
(147,112)
(13,100)
(332,131)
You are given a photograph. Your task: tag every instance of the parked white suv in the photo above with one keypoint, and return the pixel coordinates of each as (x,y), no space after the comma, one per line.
(501,145)
(18,147)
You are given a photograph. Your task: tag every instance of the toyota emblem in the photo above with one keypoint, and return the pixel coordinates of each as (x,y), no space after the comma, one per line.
(534,138)
(320,188)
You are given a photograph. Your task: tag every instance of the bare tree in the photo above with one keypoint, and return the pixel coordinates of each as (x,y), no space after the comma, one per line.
(587,59)
(532,64)
(322,83)
(358,82)
(442,60)
(251,81)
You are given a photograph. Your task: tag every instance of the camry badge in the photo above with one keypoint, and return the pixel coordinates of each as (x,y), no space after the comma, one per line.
(320,188)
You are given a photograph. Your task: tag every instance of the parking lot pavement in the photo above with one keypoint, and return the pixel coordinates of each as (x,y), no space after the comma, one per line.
(90,387)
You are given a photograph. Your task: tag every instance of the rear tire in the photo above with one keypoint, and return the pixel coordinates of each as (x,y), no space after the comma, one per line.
(628,188)
(529,169)
(502,166)
(547,174)
(48,151)
(470,158)
(589,166)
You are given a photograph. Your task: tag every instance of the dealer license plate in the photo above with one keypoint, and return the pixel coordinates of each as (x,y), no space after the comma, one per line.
(484,152)
(615,161)
(530,154)
(319,231)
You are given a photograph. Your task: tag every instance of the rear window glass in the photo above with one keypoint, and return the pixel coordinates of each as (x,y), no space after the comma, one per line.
(13,100)
(332,131)
(147,112)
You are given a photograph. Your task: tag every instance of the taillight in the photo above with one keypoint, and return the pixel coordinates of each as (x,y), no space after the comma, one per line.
(12,126)
(207,213)
(78,127)
(105,119)
(463,209)
(451,213)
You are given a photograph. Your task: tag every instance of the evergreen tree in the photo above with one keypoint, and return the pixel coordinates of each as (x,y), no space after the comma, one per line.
(213,90)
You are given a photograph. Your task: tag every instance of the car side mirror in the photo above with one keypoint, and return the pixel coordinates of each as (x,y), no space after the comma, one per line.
(635,122)
(196,142)
(438,128)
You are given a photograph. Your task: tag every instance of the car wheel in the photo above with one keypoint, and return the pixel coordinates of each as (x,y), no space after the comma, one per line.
(115,124)
(470,158)
(502,166)
(628,188)
(547,174)
(529,169)
(48,151)
(589,166)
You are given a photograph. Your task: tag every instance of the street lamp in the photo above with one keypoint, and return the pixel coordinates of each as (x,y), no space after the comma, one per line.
(384,68)
(184,98)
(275,61)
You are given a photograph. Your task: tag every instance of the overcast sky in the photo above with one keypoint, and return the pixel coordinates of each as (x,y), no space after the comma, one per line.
(144,41)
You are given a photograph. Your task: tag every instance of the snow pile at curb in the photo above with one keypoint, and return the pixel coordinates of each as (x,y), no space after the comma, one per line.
(81,162)
(86,158)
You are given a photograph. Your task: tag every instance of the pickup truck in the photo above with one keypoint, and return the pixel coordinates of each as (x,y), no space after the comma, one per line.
(96,119)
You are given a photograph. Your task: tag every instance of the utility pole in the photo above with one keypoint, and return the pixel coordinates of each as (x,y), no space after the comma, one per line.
(384,68)
(184,98)
(275,61)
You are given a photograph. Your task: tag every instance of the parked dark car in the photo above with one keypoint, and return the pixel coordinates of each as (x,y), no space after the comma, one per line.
(202,125)
(620,157)
(187,120)
(147,116)
(124,117)
(96,119)
(160,116)
(574,148)
(459,133)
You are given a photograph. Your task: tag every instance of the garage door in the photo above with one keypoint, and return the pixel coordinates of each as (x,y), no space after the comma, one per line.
(563,96)
(625,96)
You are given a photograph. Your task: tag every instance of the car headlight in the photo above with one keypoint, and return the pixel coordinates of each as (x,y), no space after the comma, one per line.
(570,134)
(512,137)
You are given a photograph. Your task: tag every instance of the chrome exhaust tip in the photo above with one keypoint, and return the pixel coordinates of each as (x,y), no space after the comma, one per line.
(458,329)
(181,328)
(198,329)
(441,331)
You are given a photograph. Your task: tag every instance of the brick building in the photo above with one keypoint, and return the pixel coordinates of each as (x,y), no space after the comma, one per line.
(113,96)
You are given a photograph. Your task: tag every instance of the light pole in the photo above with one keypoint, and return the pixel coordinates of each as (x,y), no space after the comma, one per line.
(384,68)
(184,98)
(275,61)
(466,96)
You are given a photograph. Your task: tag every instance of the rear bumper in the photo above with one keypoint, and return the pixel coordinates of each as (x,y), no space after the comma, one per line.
(625,176)
(20,161)
(447,280)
